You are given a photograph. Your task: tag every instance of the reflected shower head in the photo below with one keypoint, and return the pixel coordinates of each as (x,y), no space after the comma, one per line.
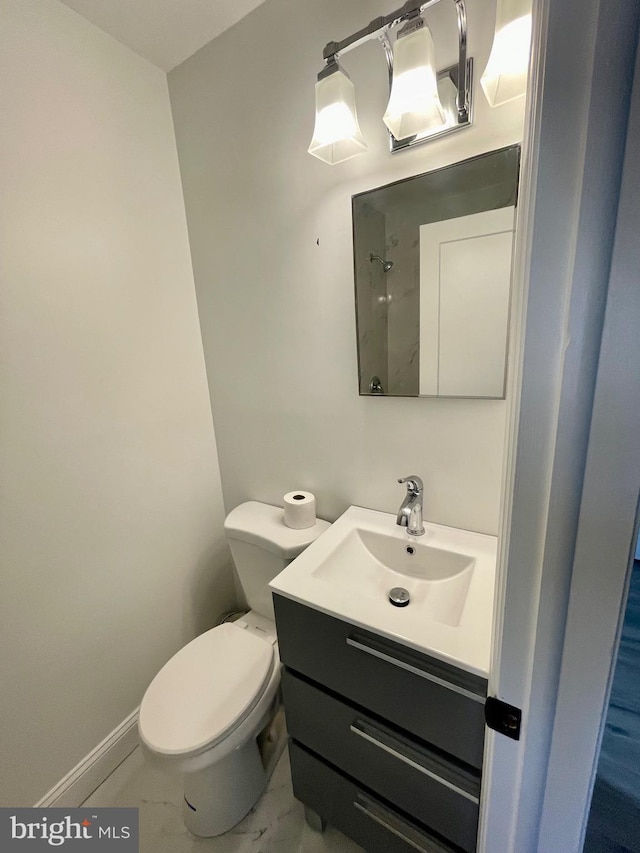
(386,265)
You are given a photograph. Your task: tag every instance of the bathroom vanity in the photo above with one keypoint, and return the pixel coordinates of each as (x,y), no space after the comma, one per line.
(384,704)
(386,743)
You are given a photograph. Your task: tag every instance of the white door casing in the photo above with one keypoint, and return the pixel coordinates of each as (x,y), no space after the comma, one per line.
(607,531)
(582,53)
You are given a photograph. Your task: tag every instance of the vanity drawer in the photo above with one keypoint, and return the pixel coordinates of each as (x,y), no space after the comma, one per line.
(365,818)
(424,784)
(438,703)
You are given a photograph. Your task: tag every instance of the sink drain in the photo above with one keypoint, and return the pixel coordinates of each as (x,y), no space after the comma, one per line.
(399,596)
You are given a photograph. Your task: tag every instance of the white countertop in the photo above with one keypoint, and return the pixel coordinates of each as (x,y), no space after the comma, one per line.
(466,644)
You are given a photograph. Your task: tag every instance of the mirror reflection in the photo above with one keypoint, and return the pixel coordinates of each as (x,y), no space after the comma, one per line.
(432,266)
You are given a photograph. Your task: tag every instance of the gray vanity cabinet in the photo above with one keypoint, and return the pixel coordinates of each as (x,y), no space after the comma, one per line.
(385,742)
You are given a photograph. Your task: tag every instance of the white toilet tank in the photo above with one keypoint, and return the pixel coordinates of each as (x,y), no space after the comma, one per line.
(261,546)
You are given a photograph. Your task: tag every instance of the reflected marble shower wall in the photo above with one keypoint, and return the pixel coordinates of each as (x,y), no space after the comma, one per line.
(403,304)
(371,289)
(388,304)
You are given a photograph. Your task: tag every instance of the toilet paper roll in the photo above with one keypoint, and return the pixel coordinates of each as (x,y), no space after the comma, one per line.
(299,510)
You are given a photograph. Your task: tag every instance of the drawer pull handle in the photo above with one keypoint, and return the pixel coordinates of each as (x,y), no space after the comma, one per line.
(394,824)
(415,670)
(405,758)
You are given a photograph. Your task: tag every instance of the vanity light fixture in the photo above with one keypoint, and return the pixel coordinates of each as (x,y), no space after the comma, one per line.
(424,103)
(505,76)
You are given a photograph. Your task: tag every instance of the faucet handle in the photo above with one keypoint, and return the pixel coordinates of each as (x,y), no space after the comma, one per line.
(414,483)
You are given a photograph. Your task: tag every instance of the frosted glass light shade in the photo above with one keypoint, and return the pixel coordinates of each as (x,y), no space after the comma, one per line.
(336,136)
(414,106)
(448,95)
(505,76)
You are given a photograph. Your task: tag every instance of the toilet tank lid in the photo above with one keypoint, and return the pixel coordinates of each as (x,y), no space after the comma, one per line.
(263,525)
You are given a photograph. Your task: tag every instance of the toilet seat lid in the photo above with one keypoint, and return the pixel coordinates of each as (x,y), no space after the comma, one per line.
(207,688)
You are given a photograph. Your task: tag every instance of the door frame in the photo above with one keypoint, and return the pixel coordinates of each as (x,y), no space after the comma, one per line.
(607,532)
(583,52)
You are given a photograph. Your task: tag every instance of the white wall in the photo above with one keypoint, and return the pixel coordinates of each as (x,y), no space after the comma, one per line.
(270,233)
(112,546)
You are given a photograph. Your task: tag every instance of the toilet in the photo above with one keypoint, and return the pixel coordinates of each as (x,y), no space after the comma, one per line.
(210,712)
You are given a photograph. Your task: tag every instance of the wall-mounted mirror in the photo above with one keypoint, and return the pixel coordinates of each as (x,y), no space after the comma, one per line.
(432,264)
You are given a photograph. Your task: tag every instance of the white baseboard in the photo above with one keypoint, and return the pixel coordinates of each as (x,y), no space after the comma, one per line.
(94,768)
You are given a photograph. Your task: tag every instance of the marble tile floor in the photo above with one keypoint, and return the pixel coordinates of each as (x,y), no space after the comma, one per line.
(275,825)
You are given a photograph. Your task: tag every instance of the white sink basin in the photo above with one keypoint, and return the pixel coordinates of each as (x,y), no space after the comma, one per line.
(437,580)
(349,571)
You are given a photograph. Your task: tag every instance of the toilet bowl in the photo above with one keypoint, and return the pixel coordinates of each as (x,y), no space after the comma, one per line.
(201,716)
(210,713)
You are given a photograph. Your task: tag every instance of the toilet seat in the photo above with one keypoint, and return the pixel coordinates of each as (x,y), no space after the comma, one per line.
(205,691)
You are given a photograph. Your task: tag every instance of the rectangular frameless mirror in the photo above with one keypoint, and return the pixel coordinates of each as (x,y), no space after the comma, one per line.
(432,263)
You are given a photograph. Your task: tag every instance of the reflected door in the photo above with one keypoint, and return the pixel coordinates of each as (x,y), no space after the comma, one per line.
(465,278)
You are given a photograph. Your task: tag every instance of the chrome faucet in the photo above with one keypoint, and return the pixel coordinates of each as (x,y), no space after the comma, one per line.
(410,512)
